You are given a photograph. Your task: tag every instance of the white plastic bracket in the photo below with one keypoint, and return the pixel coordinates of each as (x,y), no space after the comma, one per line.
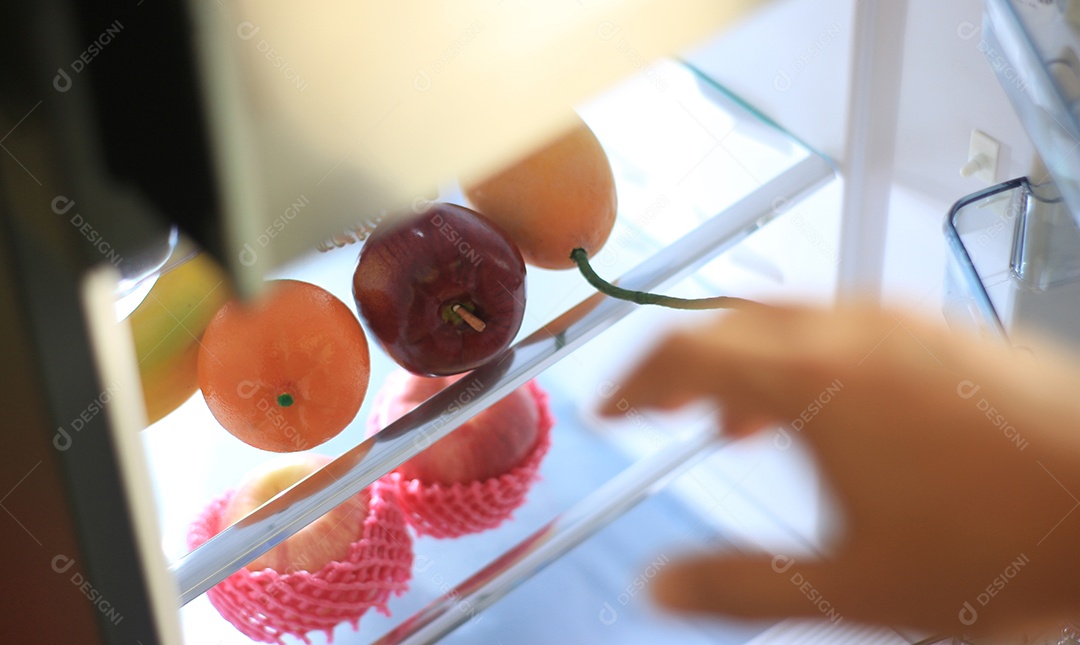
(982,157)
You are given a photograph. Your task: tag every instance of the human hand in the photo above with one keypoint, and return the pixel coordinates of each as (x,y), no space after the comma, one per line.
(956,464)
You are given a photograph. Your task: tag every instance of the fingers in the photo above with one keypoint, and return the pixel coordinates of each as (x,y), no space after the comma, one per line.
(744,360)
(739,421)
(767,365)
(758,586)
(673,374)
(686,365)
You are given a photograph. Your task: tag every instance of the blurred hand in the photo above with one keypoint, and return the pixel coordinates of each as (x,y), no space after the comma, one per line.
(956,464)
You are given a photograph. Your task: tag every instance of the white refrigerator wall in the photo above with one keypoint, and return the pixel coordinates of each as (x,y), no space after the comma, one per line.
(949,88)
(793,61)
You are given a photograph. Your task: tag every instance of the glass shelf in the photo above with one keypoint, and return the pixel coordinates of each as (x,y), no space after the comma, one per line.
(696,172)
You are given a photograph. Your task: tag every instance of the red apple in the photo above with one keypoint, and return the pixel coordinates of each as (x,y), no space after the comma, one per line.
(490,444)
(325,540)
(442,292)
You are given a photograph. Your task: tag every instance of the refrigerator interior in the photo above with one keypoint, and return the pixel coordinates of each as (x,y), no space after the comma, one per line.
(683,151)
(686,147)
(744,496)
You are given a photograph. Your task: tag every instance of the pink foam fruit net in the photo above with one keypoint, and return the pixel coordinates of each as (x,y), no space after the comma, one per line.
(449,511)
(266,605)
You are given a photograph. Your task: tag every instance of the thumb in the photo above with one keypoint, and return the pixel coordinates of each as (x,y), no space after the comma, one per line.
(756,586)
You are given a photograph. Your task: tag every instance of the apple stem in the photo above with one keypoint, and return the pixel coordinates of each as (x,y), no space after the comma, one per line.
(581,258)
(470,319)
(285,400)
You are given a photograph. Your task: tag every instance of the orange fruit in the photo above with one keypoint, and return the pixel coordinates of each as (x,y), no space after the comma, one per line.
(555,200)
(287,372)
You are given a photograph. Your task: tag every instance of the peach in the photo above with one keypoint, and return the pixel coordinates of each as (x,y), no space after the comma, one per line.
(556,199)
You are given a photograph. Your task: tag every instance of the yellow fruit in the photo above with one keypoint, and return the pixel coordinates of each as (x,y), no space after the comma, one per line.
(557,199)
(167,326)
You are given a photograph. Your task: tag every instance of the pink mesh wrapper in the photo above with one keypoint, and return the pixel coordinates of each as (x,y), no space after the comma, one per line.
(449,511)
(267,605)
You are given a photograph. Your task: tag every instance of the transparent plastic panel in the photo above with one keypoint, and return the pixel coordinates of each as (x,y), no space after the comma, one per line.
(1015,263)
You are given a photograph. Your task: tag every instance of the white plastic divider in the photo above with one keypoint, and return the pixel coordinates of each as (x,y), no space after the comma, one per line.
(873,110)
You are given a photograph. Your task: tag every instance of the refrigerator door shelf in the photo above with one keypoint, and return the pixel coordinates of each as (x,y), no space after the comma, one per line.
(1033,49)
(1015,263)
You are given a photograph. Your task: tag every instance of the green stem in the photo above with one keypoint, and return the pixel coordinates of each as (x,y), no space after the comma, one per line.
(285,400)
(581,258)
